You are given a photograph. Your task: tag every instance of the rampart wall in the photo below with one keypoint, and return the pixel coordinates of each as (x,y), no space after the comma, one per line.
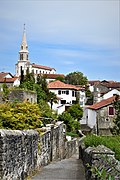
(24,152)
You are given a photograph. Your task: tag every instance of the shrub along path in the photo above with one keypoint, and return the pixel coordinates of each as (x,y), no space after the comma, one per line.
(67,169)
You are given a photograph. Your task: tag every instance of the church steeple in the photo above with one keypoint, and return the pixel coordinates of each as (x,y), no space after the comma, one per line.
(24,47)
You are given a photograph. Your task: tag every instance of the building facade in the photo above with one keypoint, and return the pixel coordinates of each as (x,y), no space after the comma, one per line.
(24,64)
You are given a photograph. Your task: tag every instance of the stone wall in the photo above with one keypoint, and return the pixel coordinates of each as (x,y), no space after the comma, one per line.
(96,159)
(20,96)
(23,152)
(18,153)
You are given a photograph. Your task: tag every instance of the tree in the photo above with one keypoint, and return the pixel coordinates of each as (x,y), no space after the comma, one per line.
(76,78)
(117,111)
(28,81)
(67,119)
(71,124)
(75,111)
(5,92)
(62,79)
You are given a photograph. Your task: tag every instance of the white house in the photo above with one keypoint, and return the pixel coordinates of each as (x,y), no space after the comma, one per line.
(66,93)
(100,116)
(9,79)
(110,94)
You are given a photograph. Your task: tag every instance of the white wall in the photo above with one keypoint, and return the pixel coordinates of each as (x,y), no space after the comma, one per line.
(110,94)
(91,118)
(68,97)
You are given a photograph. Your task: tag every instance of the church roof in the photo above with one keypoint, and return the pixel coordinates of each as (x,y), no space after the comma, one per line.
(54,76)
(41,67)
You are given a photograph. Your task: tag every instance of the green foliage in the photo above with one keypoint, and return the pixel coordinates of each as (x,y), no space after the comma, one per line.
(28,81)
(46,111)
(75,111)
(60,78)
(72,134)
(5,92)
(100,174)
(41,95)
(20,116)
(76,78)
(117,119)
(71,124)
(112,142)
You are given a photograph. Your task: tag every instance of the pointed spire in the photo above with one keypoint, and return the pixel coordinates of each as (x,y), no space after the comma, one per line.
(24,47)
(24,42)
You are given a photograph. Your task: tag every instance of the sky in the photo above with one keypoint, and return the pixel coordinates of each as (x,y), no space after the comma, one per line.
(68,35)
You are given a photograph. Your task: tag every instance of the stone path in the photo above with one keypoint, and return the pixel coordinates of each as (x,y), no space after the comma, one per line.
(67,169)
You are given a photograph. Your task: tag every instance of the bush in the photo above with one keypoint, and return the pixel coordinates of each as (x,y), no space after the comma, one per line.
(75,111)
(20,116)
(71,124)
(112,142)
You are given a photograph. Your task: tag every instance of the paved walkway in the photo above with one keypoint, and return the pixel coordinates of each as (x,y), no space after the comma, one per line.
(67,169)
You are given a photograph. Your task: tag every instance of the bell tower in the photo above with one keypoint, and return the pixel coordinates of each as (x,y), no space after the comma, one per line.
(23,63)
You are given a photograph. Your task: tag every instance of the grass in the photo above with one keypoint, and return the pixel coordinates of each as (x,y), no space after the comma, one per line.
(72,134)
(112,142)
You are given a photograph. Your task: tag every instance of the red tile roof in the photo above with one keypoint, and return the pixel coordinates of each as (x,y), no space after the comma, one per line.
(54,76)
(42,67)
(102,103)
(112,85)
(8,80)
(60,85)
(4,74)
(93,82)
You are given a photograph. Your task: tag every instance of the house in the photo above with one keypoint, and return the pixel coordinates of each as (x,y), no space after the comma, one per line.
(91,84)
(66,93)
(9,79)
(104,87)
(99,116)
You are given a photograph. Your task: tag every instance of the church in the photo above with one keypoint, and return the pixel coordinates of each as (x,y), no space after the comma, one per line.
(24,63)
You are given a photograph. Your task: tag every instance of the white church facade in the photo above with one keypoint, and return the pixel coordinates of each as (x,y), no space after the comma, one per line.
(24,63)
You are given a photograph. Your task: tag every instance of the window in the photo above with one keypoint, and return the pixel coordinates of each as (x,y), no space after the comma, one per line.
(36,71)
(73,93)
(63,92)
(59,91)
(67,92)
(21,56)
(63,101)
(111,110)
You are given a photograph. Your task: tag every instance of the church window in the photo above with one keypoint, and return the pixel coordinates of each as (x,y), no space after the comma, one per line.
(21,56)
